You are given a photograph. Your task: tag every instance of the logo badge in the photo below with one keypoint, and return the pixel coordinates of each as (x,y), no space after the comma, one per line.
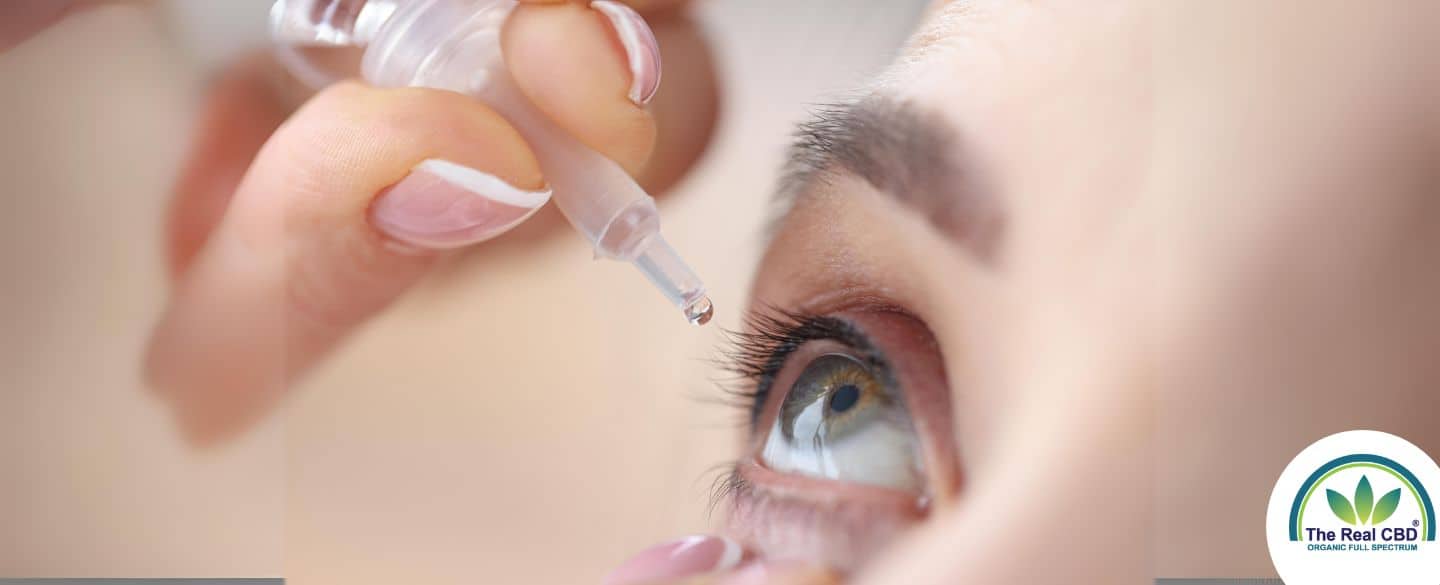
(1354,508)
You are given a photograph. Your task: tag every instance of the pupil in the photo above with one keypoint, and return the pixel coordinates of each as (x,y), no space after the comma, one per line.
(844,398)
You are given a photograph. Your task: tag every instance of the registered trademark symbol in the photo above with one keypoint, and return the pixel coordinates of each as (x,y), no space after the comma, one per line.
(1414,522)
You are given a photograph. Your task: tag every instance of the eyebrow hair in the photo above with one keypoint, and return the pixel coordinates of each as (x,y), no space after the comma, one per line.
(902,150)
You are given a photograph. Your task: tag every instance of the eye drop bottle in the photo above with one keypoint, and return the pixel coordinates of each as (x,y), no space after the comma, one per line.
(455,45)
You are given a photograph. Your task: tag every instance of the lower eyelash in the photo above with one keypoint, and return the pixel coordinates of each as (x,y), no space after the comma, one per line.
(730,485)
(836,532)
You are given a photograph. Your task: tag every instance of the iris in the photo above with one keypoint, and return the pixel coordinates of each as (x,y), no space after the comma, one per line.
(838,420)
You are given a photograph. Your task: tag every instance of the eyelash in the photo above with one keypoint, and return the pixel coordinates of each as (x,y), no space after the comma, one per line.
(757,353)
(728,484)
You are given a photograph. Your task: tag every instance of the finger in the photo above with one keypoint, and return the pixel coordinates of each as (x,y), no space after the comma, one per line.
(691,559)
(685,110)
(688,103)
(241,110)
(591,71)
(760,573)
(344,208)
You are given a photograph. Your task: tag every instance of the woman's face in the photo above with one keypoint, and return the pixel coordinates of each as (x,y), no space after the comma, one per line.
(1062,267)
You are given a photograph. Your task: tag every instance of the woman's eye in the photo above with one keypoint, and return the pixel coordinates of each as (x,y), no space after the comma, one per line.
(837,463)
(839,420)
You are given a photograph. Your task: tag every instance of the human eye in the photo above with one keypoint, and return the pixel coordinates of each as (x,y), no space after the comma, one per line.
(840,421)
(837,461)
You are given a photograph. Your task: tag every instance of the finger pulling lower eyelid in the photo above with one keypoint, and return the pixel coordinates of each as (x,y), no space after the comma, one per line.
(678,560)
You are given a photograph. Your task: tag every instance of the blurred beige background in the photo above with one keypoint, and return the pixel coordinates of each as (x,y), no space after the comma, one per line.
(530,417)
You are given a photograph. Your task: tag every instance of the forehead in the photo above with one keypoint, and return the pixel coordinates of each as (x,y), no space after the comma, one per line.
(983,58)
(1033,87)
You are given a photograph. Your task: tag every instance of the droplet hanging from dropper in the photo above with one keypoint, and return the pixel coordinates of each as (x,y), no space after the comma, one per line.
(700,311)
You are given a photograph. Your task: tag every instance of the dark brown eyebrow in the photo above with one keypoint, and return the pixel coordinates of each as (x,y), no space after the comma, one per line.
(904,151)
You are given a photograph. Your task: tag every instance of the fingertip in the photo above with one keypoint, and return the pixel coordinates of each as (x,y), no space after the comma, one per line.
(358,140)
(637,44)
(571,61)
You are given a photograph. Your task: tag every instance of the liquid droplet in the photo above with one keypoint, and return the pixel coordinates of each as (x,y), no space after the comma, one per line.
(700,312)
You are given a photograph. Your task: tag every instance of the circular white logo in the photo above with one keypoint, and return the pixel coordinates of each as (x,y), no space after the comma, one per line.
(1355,507)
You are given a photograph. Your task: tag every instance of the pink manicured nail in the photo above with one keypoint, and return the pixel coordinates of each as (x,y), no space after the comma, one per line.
(641,50)
(687,557)
(444,205)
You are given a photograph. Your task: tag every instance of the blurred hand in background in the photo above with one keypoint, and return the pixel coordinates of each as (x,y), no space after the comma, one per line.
(290,227)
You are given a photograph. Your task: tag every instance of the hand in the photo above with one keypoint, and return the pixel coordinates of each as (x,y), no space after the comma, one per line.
(288,232)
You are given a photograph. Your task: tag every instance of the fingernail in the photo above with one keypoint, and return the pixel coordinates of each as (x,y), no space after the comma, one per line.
(687,557)
(442,205)
(642,52)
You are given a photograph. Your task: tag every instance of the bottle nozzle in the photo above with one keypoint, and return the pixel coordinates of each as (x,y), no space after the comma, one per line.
(659,263)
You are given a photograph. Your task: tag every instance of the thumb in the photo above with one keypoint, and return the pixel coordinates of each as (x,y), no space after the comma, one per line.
(590,70)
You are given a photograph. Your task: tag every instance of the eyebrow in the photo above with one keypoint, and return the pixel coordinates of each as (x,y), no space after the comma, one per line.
(902,150)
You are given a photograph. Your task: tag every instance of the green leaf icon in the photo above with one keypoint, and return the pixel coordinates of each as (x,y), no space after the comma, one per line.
(1386,506)
(1364,500)
(1341,507)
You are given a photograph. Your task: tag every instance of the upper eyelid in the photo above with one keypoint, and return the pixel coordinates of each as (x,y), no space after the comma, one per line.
(771,335)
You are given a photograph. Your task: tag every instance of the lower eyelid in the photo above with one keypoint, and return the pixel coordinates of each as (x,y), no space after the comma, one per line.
(784,517)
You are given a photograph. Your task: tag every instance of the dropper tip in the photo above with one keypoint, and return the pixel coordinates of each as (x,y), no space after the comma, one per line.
(700,311)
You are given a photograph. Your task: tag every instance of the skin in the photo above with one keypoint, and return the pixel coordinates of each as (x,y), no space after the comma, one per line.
(1219,225)
(1217,249)
(275,231)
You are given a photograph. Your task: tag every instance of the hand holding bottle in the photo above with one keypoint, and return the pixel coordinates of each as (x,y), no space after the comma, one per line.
(287,231)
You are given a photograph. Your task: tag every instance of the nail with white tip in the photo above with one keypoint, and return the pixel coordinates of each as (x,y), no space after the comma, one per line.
(679,559)
(442,205)
(642,52)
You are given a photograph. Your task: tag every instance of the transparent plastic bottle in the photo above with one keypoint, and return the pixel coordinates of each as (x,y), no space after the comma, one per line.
(455,45)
